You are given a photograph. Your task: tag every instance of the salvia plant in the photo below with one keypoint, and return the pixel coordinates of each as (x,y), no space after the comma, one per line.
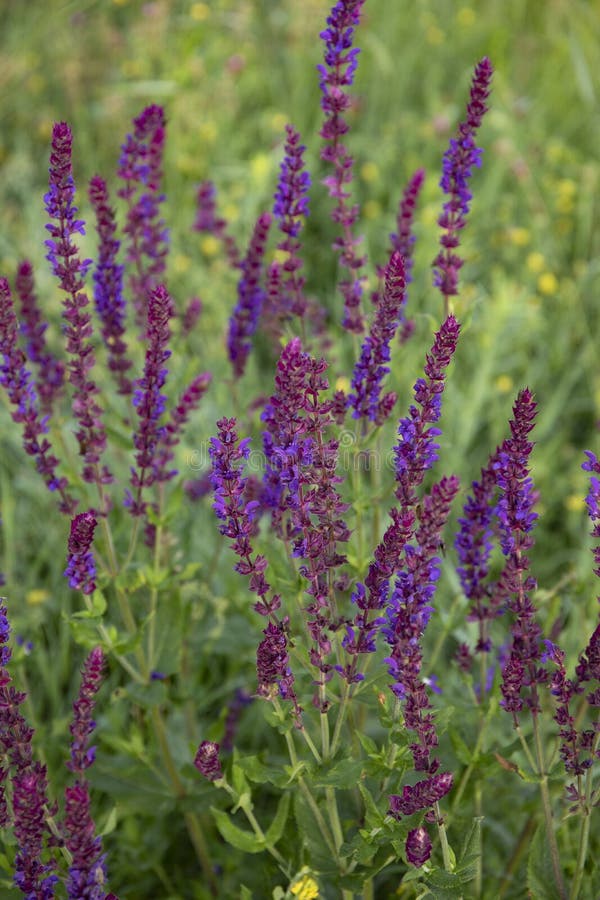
(362,774)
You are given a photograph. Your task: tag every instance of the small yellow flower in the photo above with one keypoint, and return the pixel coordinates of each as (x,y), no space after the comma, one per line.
(504,384)
(565,204)
(231,212)
(567,187)
(434,35)
(181,263)
(547,283)
(260,167)
(36,596)
(372,209)
(520,237)
(280,256)
(369,172)
(305,889)
(209,245)
(342,384)
(466,16)
(536,262)
(278,121)
(208,132)
(199,12)
(574,503)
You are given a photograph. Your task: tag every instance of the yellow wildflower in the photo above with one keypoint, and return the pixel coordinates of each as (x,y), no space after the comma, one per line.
(305,889)
(547,283)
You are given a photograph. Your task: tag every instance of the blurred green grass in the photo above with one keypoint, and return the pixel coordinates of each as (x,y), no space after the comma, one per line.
(231,74)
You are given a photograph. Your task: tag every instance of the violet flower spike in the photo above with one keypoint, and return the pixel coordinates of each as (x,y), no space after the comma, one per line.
(81,567)
(70,271)
(149,401)
(87,872)
(403,239)
(208,221)
(108,281)
(459,160)
(244,320)
(336,75)
(291,209)
(51,371)
(372,367)
(140,168)
(418,847)
(421,795)
(15,378)
(515,521)
(171,433)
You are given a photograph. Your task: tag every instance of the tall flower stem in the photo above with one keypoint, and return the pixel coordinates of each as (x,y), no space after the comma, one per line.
(584,833)
(547,806)
(441,827)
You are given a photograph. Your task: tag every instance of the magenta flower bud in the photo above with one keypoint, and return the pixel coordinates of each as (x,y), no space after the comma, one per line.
(418,847)
(81,567)
(207,760)
(421,795)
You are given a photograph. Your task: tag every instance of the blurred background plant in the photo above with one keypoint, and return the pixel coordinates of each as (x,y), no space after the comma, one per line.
(230,74)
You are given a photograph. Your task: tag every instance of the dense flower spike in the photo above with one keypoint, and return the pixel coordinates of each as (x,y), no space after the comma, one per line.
(421,795)
(244,320)
(403,239)
(407,617)
(336,75)
(108,281)
(418,847)
(70,271)
(459,160)
(371,367)
(17,381)
(87,872)
(149,401)
(272,661)
(208,221)
(171,433)
(207,761)
(140,168)
(515,521)
(416,451)
(81,567)
(32,876)
(290,209)
(51,371)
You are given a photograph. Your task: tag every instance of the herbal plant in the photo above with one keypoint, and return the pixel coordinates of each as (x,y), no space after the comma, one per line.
(366,774)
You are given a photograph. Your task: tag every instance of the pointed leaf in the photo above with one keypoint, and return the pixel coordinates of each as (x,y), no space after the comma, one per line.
(236,837)
(275,829)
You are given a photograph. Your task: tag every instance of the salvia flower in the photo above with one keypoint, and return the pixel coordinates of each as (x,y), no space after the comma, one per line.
(291,209)
(208,221)
(70,271)
(51,371)
(459,160)
(149,401)
(418,846)
(244,320)
(207,760)
(179,415)
(81,566)
(421,795)
(516,518)
(336,75)
(17,381)
(82,756)
(272,661)
(140,168)
(403,239)
(371,368)
(108,282)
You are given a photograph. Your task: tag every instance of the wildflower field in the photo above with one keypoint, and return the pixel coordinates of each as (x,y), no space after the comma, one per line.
(299,477)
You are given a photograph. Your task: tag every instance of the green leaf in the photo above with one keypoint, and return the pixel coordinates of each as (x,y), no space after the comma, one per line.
(236,837)
(110,822)
(254,769)
(96,610)
(367,743)
(471,848)
(245,893)
(344,775)
(275,829)
(540,874)
(373,817)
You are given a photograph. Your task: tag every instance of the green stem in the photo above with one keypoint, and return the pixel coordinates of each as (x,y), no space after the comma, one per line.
(551,835)
(318,817)
(517,854)
(584,833)
(443,838)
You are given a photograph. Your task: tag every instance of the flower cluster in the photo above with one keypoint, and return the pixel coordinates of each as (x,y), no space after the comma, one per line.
(336,75)
(140,168)
(51,371)
(70,271)
(244,320)
(371,367)
(458,163)
(81,567)
(108,281)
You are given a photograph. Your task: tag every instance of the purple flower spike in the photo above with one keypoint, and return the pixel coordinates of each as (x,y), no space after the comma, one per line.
(459,160)
(15,378)
(51,371)
(336,75)
(171,434)
(416,450)
(418,847)
(244,321)
(81,568)
(82,726)
(149,401)
(140,168)
(403,239)
(290,209)
(70,271)
(421,795)
(515,521)
(208,221)
(207,761)
(372,366)
(108,280)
